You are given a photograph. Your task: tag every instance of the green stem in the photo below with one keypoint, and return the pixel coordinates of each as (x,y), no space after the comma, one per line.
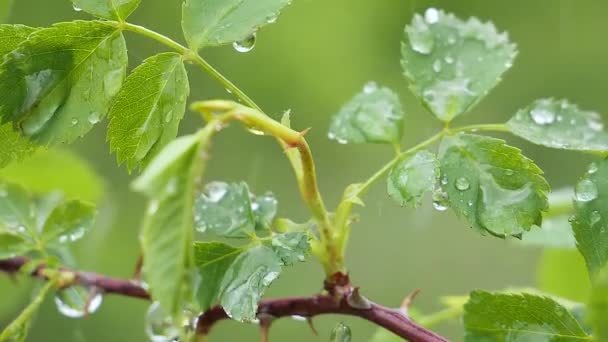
(481,127)
(16,327)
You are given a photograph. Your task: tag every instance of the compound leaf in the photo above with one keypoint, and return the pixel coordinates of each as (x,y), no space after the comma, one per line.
(375,116)
(148,109)
(412,177)
(561,125)
(452,64)
(107,9)
(491,184)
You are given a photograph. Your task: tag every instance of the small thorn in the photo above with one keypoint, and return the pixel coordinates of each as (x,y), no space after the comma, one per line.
(265,323)
(358,301)
(311,324)
(304,132)
(407,302)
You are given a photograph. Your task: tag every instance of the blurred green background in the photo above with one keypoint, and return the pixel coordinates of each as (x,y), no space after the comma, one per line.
(312,60)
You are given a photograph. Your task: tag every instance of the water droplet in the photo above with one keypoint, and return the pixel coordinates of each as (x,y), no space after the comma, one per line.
(74,235)
(74,121)
(216,191)
(509,172)
(449,59)
(462,184)
(542,116)
(153,207)
(169,116)
(246,44)
(431,15)
(592,168)
(595,217)
(444,180)
(271,19)
(159,325)
(586,191)
(437,66)
(370,87)
(420,36)
(77,301)
(255,131)
(228,91)
(76,8)
(94,118)
(594,123)
(341,333)
(440,200)
(299,318)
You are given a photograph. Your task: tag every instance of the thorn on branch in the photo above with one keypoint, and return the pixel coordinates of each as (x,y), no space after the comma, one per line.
(358,301)
(407,302)
(265,323)
(311,324)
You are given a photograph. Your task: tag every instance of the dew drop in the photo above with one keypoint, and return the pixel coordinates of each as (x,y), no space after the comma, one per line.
(449,59)
(77,301)
(437,66)
(246,44)
(169,116)
(440,200)
(370,87)
(271,19)
(586,191)
(592,168)
(159,325)
(462,184)
(153,207)
(444,180)
(74,121)
(94,118)
(542,116)
(595,217)
(216,191)
(255,131)
(431,15)
(76,8)
(341,333)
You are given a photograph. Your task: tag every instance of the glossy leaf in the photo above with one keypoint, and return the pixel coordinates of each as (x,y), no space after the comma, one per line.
(148,109)
(291,247)
(560,124)
(519,317)
(264,210)
(107,9)
(491,184)
(373,116)
(60,82)
(412,177)
(590,223)
(69,222)
(598,307)
(219,22)
(452,64)
(166,236)
(225,209)
(237,278)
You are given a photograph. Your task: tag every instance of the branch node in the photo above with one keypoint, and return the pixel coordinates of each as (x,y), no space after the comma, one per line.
(358,301)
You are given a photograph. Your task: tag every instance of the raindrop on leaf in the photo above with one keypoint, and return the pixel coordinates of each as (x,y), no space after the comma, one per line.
(586,191)
(341,333)
(462,184)
(246,44)
(77,301)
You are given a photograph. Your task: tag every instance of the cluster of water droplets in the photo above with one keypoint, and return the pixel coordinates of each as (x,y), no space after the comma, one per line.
(78,301)
(161,327)
(586,191)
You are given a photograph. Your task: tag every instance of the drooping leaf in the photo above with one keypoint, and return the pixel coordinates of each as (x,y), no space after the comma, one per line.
(560,124)
(519,317)
(236,277)
(491,184)
(291,247)
(148,109)
(563,273)
(590,223)
(412,177)
(166,236)
(598,306)
(373,116)
(59,82)
(69,222)
(107,9)
(225,209)
(452,64)
(17,330)
(219,22)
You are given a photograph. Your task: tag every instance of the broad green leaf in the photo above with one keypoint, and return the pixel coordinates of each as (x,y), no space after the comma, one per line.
(166,236)
(560,124)
(563,273)
(598,306)
(590,223)
(519,317)
(412,177)
(17,330)
(225,210)
(69,222)
(16,208)
(291,247)
(375,116)
(107,9)
(219,22)
(148,109)
(452,64)
(12,245)
(492,185)
(13,35)
(5,10)
(264,211)
(63,170)
(60,82)
(236,277)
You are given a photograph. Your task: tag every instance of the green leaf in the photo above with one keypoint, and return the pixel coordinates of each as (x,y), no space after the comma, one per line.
(236,277)
(107,9)
(13,35)
(563,273)
(412,177)
(16,331)
(264,211)
(59,82)
(219,22)
(452,64)
(519,317)
(12,245)
(590,223)
(166,236)
(491,184)
(598,306)
(375,116)
(69,222)
(225,210)
(148,109)
(560,124)
(291,247)
(16,208)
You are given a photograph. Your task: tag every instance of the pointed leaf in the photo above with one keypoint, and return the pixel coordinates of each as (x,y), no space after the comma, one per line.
(412,177)
(519,317)
(166,236)
(219,22)
(560,124)
(491,184)
(107,9)
(148,109)
(59,82)
(452,64)
(291,247)
(375,116)
(225,209)
(69,222)
(12,245)
(590,222)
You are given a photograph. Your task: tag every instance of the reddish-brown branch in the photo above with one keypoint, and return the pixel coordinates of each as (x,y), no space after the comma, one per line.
(342,299)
